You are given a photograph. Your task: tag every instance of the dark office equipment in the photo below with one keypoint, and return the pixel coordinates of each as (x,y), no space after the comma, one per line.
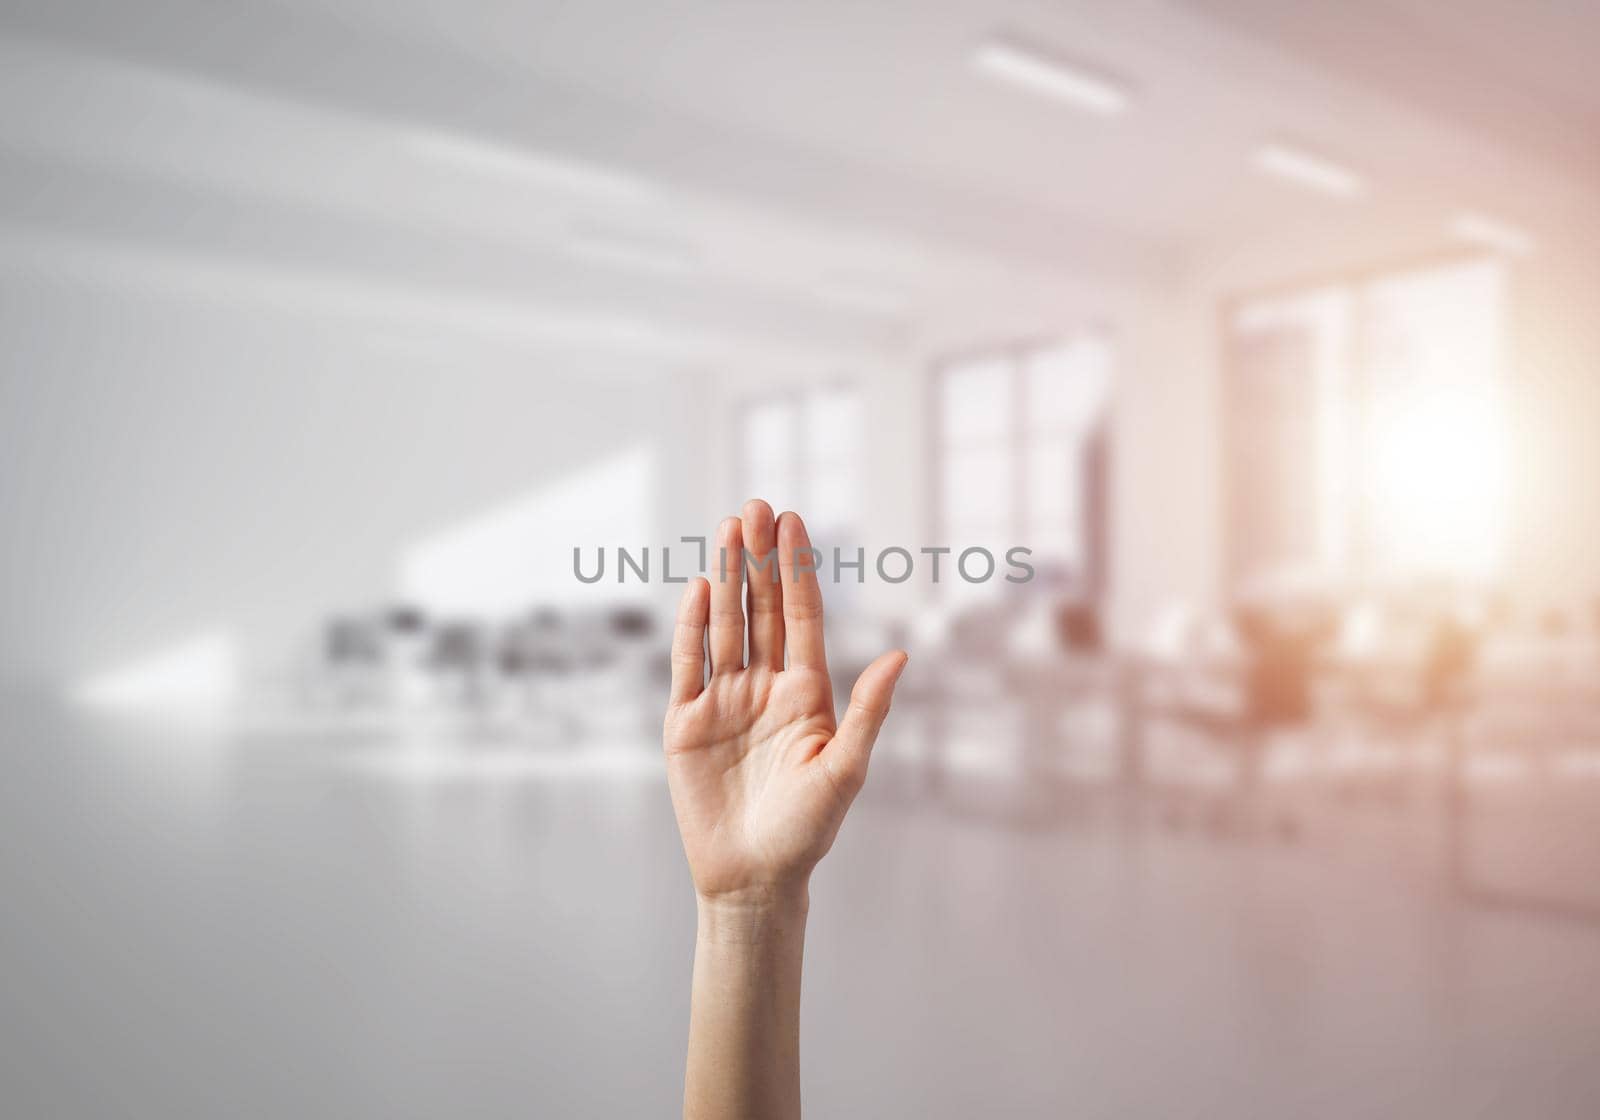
(347,641)
(1281,648)
(631,623)
(1078,628)
(405,620)
(456,645)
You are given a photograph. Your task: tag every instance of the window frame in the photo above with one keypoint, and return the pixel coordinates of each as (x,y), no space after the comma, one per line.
(1093,580)
(1352,281)
(796,398)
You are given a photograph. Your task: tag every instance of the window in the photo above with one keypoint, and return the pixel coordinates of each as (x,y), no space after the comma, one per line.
(1365,430)
(1288,451)
(802,451)
(1020,446)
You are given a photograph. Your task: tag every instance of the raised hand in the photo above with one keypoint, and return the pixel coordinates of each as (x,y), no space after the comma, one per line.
(761,773)
(761,778)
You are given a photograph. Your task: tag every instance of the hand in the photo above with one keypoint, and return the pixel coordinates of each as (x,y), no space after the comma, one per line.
(761,774)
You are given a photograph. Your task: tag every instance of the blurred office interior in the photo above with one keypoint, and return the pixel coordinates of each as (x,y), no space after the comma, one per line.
(332,329)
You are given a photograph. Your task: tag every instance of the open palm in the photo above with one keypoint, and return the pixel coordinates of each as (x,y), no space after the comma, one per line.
(761,773)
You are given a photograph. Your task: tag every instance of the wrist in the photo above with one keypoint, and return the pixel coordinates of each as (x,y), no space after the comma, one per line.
(754,914)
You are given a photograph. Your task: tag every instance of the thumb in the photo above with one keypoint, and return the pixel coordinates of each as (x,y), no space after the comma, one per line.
(851,749)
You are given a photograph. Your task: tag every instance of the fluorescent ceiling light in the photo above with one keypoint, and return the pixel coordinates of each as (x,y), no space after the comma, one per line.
(542,169)
(639,253)
(1051,77)
(1309,170)
(1499,236)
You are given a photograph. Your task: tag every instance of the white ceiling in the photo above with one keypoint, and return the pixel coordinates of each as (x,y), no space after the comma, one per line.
(800,140)
(1521,71)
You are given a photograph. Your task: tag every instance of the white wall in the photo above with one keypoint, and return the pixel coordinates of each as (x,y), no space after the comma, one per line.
(177,466)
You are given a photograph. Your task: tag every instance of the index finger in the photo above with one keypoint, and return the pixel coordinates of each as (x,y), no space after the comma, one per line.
(689,643)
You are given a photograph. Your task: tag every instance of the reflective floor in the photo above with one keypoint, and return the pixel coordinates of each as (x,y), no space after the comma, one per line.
(198,924)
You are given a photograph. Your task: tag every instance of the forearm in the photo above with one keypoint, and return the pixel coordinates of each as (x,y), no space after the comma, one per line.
(744,1023)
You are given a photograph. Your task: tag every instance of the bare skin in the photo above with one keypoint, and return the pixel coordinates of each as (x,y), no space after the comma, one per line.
(761,775)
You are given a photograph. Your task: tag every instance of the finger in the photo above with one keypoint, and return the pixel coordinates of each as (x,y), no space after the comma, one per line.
(802,597)
(764,593)
(851,749)
(689,643)
(727,612)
